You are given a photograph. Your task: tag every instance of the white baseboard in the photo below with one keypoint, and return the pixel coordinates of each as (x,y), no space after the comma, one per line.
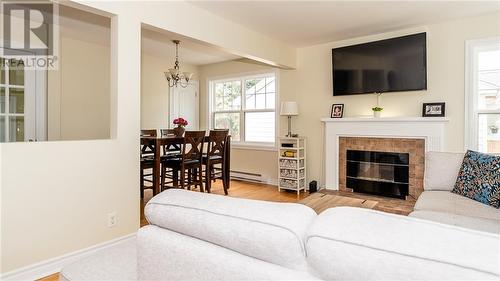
(272,182)
(54,265)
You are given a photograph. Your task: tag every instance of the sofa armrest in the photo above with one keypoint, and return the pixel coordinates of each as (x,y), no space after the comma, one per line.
(270,231)
(359,244)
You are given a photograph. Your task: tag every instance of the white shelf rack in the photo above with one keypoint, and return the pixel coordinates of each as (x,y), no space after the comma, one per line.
(292,164)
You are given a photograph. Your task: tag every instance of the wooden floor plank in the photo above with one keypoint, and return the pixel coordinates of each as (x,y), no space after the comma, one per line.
(320,201)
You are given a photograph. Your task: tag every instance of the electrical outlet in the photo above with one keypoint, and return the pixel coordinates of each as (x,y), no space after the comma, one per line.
(112,219)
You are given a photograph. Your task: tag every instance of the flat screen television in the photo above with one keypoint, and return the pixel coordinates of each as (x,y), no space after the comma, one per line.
(391,65)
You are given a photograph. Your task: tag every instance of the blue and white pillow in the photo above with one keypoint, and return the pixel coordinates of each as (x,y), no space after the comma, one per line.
(479,178)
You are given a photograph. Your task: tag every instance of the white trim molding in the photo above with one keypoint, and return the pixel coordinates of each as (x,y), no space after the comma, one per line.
(472,110)
(242,76)
(431,129)
(54,265)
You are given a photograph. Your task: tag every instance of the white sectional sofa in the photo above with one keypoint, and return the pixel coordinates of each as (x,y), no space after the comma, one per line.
(438,203)
(195,236)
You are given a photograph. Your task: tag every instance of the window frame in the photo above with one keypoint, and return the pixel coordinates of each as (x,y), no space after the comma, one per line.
(211,81)
(472,112)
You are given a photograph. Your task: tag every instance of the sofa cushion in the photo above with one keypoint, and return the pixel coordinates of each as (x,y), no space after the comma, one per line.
(116,263)
(441,170)
(447,202)
(269,231)
(479,178)
(480,224)
(359,244)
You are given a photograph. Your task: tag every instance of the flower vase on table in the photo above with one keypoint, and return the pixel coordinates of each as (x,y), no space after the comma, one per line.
(179,130)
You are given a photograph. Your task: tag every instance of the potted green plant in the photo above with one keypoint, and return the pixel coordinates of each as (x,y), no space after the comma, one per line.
(181,123)
(377,110)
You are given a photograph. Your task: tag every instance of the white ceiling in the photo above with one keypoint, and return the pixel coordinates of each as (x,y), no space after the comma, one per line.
(304,23)
(191,52)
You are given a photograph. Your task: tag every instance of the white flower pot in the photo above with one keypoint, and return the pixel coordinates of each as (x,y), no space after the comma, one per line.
(377,114)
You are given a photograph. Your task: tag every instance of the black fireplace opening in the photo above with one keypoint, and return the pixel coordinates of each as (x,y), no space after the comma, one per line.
(379,173)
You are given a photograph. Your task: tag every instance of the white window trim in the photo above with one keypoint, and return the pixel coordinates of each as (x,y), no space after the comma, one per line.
(471,111)
(40,106)
(246,75)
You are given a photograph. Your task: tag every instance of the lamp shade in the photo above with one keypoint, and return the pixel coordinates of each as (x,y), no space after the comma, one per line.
(289,108)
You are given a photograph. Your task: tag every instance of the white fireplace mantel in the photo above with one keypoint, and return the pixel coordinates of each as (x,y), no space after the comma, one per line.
(387,119)
(431,129)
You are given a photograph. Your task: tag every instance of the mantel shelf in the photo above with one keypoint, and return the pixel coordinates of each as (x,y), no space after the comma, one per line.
(387,119)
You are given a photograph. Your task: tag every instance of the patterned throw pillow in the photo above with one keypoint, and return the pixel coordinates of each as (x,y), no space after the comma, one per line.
(479,178)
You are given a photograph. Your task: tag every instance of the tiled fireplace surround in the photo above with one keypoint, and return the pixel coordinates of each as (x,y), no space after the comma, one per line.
(413,135)
(414,147)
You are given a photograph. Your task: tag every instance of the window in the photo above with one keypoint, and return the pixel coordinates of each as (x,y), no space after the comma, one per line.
(483,95)
(12,101)
(245,106)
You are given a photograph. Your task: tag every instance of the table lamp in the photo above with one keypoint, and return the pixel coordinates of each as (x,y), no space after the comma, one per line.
(289,109)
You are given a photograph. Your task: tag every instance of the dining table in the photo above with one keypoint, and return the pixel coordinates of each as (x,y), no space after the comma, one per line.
(159,142)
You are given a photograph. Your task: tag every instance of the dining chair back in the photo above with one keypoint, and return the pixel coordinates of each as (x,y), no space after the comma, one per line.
(189,161)
(147,162)
(148,133)
(216,143)
(216,155)
(192,149)
(173,149)
(166,132)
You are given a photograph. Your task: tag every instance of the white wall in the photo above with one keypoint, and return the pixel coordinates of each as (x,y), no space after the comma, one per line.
(155,91)
(78,91)
(78,99)
(55,196)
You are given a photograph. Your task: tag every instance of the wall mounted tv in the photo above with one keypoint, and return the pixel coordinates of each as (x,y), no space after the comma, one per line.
(391,65)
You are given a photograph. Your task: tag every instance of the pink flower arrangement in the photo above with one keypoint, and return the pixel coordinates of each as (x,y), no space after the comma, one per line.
(181,122)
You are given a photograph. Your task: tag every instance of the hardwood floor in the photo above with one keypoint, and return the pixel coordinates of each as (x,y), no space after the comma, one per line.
(385,204)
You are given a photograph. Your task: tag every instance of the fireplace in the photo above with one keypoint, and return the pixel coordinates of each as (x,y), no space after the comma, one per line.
(379,173)
(412,135)
(391,167)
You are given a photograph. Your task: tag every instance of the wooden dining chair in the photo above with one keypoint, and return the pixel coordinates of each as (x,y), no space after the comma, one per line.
(216,155)
(147,162)
(188,165)
(172,150)
(148,133)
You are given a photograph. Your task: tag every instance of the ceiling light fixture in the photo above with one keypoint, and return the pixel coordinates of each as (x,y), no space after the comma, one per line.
(174,76)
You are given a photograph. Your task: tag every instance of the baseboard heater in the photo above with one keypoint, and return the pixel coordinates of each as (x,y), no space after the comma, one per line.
(245,176)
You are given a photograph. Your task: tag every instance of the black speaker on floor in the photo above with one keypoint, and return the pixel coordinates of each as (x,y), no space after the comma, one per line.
(313,186)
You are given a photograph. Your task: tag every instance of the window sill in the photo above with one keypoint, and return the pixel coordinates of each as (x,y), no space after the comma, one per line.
(246,146)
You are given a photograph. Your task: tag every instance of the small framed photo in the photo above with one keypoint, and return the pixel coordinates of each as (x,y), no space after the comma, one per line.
(435,109)
(337,110)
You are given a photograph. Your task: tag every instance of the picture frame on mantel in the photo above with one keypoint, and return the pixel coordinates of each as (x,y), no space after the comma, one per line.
(337,110)
(435,109)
